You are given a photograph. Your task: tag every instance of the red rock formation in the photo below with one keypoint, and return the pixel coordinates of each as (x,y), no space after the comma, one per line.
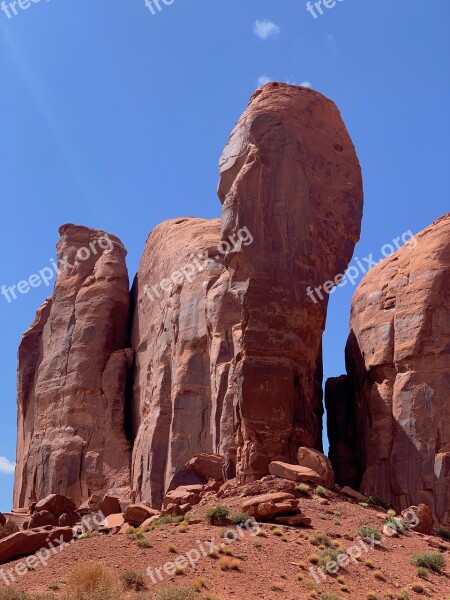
(289,174)
(73,364)
(398,359)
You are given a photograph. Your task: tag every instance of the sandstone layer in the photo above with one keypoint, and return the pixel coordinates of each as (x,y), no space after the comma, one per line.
(398,362)
(289,173)
(73,365)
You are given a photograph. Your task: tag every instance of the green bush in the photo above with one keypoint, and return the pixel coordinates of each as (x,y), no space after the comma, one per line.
(240,519)
(303,488)
(430,560)
(328,555)
(216,515)
(168,520)
(321,491)
(368,532)
(377,501)
(443,533)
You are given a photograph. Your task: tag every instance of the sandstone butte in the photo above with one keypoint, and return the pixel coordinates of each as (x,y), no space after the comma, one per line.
(117,391)
(388,419)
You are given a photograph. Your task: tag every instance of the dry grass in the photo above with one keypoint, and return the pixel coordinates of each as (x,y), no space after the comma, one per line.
(92,581)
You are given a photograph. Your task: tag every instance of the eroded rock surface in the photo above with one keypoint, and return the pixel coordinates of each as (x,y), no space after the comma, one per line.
(73,364)
(398,361)
(289,174)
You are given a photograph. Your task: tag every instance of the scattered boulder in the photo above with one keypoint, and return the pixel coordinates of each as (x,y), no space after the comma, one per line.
(200,469)
(294,520)
(136,514)
(150,521)
(318,462)
(68,520)
(267,506)
(8,529)
(56,504)
(425,516)
(294,472)
(348,491)
(24,543)
(186,494)
(117,520)
(41,518)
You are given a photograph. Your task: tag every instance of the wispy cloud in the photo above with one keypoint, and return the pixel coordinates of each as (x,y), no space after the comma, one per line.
(266,29)
(307,84)
(264,79)
(6,466)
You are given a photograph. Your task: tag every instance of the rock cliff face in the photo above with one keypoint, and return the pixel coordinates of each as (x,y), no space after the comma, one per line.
(73,364)
(290,174)
(227,338)
(398,362)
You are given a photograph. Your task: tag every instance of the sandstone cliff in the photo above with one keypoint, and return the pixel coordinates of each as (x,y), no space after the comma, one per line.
(73,364)
(398,362)
(290,174)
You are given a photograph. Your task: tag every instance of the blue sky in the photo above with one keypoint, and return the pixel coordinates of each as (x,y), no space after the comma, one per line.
(115,118)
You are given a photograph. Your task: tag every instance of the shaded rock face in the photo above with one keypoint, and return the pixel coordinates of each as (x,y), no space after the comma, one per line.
(290,174)
(183,340)
(398,362)
(73,364)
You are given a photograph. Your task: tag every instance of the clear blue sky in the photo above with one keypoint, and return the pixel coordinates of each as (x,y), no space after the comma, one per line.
(115,119)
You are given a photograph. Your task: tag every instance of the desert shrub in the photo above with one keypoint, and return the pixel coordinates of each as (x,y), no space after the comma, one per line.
(321,491)
(303,488)
(173,593)
(7,593)
(379,575)
(325,596)
(225,563)
(369,532)
(133,580)
(418,588)
(276,586)
(396,524)
(143,543)
(172,548)
(92,581)
(313,558)
(422,572)
(328,555)
(443,533)
(54,586)
(168,520)
(377,501)
(278,532)
(261,533)
(322,539)
(240,518)
(216,515)
(430,560)
(199,583)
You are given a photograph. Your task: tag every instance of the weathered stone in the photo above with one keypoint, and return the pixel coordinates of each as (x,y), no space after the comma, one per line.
(113,521)
(73,364)
(8,529)
(56,505)
(199,470)
(290,175)
(294,472)
(267,506)
(424,515)
(318,462)
(42,518)
(2,520)
(28,542)
(136,514)
(294,520)
(68,520)
(398,361)
(189,494)
(348,491)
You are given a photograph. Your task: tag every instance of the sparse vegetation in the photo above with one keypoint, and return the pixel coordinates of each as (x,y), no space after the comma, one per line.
(443,533)
(143,543)
(53,586)
(240,519)
(278,532)
(303,488)
(369,564)
(261,533)
(321,539)
(325,596)
(168,520)
(133,580)
(321,491)
(377,501)
(217,515)
(430,560)
(276,586)
(92,581)
(379,575)
(422,572)
(372,596)
(256,544)
(313,558)
(183,527)
(173,593)
(403,595)
(327,556)
(199,583)
(172,548)
(418,588)
(368,532)
(179,570)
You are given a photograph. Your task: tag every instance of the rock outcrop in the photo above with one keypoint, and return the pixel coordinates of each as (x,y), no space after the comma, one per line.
(73,365)
(398,362)
(289,173)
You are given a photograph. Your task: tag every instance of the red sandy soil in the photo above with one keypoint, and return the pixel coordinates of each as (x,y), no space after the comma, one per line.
(276,560)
